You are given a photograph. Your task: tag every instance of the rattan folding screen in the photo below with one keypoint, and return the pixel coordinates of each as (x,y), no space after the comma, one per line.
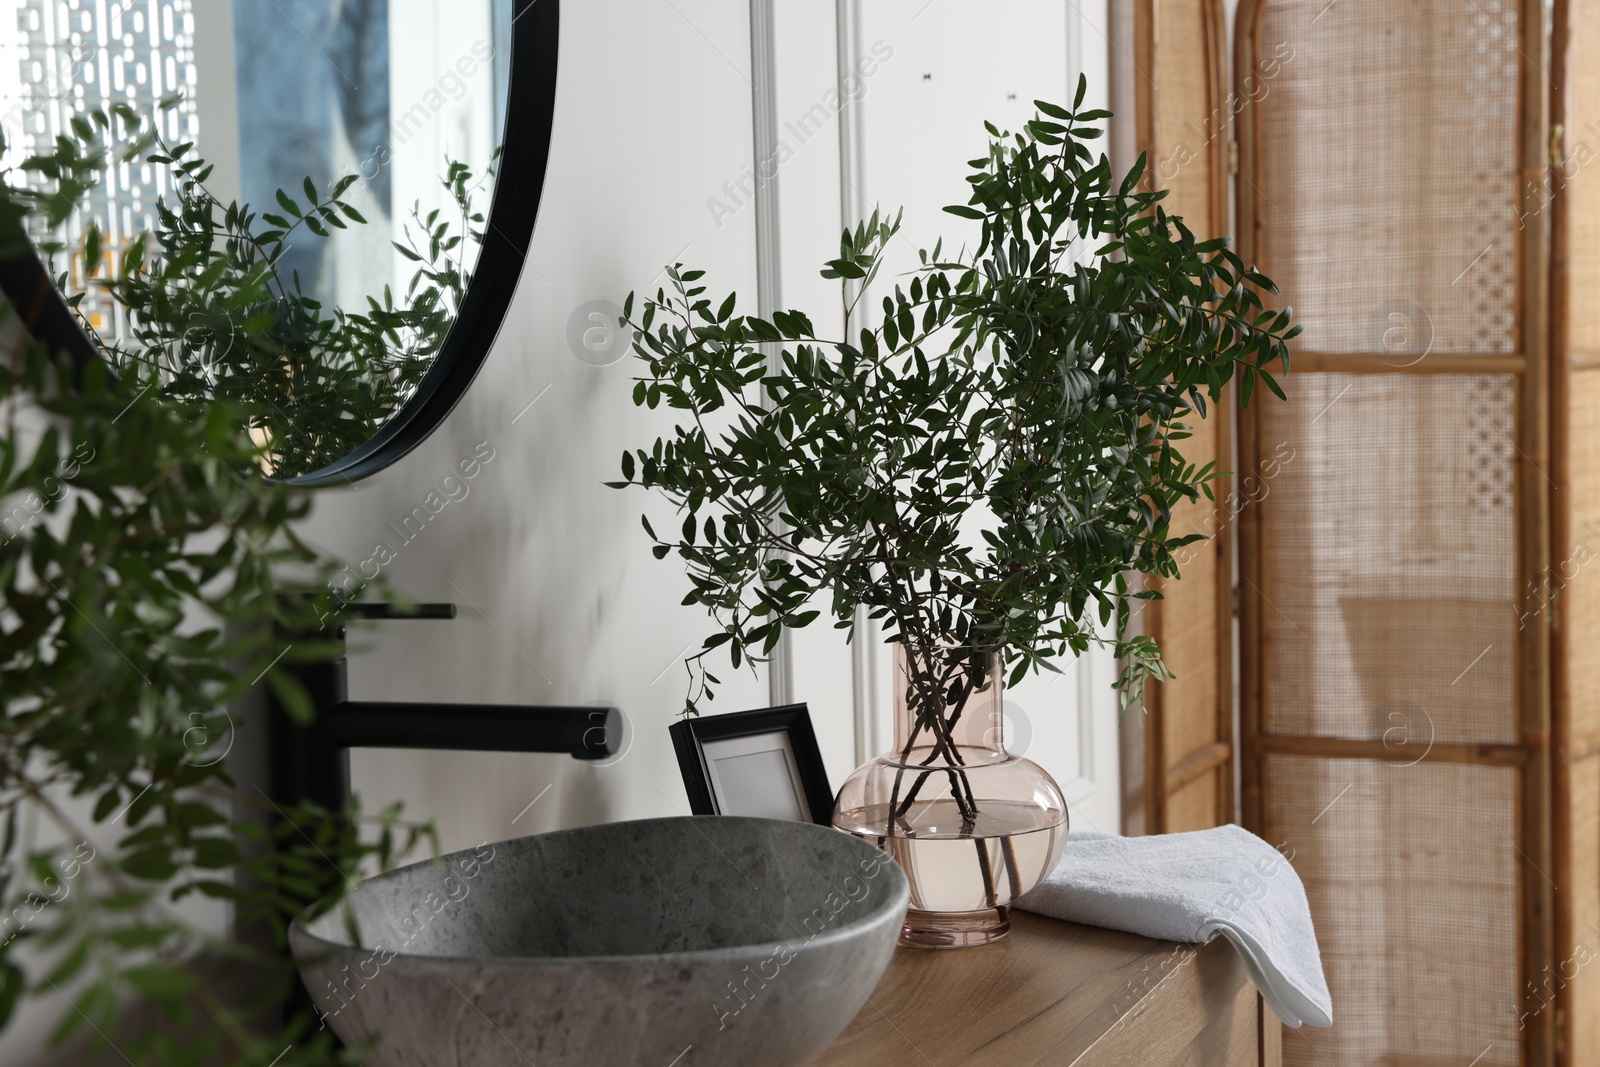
(1420,544)
(1396,701)
(1182,129)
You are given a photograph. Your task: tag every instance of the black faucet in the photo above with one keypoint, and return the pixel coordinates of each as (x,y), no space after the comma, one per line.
(312,761)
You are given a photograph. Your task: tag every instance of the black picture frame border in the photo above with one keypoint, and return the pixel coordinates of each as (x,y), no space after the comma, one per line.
(689,736)
(508,234)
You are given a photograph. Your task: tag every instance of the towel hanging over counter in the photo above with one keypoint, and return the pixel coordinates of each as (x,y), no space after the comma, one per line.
(1192,887)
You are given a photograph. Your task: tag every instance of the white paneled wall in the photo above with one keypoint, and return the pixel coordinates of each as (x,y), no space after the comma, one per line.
(806,142)
(653,161)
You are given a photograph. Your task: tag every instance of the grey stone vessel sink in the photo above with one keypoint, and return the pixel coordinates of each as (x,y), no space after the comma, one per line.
(690,942)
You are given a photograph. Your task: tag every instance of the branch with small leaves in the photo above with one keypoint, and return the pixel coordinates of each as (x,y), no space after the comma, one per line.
(208,304)
(148,574)
(983,469)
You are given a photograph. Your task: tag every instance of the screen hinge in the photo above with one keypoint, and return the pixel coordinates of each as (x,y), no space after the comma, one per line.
(1233,157)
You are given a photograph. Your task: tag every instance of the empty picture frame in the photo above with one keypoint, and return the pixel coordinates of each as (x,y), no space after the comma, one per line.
(763,763)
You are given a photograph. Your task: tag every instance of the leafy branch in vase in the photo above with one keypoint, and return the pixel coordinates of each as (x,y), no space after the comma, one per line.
(980,472)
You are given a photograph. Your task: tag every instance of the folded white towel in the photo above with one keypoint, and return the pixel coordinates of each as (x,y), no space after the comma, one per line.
(1191,887)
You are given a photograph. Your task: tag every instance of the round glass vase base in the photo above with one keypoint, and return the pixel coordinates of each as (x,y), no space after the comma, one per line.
(956,929)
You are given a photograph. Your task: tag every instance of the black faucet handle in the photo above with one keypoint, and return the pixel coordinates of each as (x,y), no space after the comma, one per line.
(383,611)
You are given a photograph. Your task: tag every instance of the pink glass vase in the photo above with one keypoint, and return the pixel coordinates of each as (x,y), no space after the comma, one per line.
(972,826)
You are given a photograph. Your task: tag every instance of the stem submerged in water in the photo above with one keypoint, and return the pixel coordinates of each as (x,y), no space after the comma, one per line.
(926,692)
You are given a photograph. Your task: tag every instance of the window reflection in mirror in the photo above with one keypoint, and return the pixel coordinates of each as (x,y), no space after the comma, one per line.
(358,139)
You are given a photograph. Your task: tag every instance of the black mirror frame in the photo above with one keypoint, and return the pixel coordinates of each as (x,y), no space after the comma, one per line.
(508,233)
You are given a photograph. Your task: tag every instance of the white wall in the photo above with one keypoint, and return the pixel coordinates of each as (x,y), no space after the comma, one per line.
(561,600)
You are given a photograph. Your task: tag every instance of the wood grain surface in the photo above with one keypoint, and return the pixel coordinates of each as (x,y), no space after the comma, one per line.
(1059,993)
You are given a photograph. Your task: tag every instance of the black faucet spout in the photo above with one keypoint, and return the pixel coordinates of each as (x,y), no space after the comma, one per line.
(311,761)
(586,733)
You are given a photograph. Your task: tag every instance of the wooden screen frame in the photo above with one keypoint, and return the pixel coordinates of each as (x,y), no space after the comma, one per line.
(1530,755)
(1568,749)
(1164,775)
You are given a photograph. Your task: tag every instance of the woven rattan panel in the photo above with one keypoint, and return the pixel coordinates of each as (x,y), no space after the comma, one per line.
(1410,872)
(1576,559)
(1187,621)
(1387,172)
(1580,960)
(1191,125)
(1384,190)
(1194,806)
(1582,169)
(1576,574)
(1387,560)
(1189,129)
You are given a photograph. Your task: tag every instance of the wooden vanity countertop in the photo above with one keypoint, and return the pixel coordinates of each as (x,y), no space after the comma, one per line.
(1058,993)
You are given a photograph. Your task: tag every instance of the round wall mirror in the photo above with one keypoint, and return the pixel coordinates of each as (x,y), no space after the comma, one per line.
(317,210)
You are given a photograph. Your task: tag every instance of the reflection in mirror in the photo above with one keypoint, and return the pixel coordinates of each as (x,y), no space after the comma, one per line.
(278,202)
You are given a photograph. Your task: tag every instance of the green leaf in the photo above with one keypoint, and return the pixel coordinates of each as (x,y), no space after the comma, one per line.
(763,330)
(215,852)
(141,805)
(12,984)
(291,695)
(140,936)
(108,802)
(72,962)
(151,864)
(219,890)
(195,815)
(163,983)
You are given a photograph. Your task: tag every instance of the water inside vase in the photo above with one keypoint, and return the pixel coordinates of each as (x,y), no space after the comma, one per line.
(1008,849)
